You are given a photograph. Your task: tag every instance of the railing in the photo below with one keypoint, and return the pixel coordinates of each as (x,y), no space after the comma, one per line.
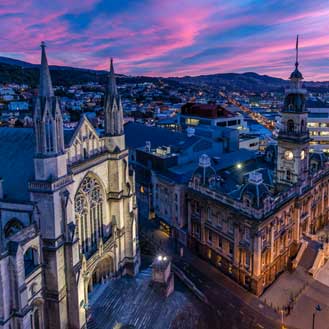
(38,186)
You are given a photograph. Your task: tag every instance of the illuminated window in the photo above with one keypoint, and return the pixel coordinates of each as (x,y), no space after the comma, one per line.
(230,269)
(219,260)
(192,122)
(209,253)
(142,189)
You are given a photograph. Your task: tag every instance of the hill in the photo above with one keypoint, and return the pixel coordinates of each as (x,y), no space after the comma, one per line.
(13,70)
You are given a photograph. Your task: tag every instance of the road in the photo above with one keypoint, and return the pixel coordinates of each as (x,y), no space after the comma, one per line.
(231,308)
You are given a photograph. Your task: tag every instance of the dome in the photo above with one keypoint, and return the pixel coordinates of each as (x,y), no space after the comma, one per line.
(255,191)
(205,172)
(296,74)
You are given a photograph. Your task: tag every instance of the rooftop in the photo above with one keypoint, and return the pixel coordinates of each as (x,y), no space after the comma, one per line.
(210,111)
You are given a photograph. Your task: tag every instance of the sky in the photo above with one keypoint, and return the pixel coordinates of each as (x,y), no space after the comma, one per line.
(171,37)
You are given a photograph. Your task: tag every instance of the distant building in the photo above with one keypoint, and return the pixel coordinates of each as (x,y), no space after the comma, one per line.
(194,114)
(318,125)
(18,106)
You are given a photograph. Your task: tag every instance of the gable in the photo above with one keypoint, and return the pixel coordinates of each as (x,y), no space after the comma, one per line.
(84,142)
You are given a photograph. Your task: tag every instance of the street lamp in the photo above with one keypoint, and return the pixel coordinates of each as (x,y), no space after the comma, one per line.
(317,309)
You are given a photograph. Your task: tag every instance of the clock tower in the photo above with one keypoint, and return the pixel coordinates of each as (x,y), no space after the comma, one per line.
(293,138)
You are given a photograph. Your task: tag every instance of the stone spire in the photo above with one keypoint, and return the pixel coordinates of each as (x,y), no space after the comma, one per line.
(47,116)
(45,88)
(113,107)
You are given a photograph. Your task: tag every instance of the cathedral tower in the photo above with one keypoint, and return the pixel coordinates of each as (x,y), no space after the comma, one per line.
(113,111)
(293,138)
(48,123)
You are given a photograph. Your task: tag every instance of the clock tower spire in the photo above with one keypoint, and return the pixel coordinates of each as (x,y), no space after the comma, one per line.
(293,138)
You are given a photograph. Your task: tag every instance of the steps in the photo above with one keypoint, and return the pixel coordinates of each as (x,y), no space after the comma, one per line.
(309,255)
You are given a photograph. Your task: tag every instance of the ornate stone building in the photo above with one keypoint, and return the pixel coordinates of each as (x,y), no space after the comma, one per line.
(249,219)
(68,216)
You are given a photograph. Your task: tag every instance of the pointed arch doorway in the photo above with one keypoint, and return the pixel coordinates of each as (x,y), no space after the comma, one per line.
(101,273)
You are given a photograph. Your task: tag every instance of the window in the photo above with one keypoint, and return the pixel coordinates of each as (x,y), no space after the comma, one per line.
(31,261)
(230,227)
(209,236)
(219,260)
(246,234)
(220,242)
(208,215)
(89,213)
(288,175)
(290,125)
(12,227)
(247,261)
(231,248)
(36,319)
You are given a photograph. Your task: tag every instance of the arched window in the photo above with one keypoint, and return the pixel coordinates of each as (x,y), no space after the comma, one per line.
(49,134)
(288,175)
(290,125)
(89,213)
(36,319)
(31,260)
(12,227)
(302,124)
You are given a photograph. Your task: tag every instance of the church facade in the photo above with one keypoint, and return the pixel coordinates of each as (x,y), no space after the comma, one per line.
(68,216)
(249,219)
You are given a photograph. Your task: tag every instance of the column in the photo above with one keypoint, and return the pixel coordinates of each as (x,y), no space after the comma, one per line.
(271,243)
(257,256)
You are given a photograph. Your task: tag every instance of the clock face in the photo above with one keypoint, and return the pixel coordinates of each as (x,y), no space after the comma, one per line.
(302,154)
(288,155)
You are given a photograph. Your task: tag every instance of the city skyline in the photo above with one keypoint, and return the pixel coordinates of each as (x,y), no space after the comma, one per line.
(171,39)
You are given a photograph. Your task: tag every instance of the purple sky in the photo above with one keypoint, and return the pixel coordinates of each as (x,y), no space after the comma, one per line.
(170,37)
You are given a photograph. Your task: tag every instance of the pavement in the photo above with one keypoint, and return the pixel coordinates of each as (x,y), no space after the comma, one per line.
(323,274)
(132,302)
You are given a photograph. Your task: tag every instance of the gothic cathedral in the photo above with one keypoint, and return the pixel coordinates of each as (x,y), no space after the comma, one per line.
(68,217)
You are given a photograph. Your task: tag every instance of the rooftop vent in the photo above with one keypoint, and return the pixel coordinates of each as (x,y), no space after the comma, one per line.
(255,178)
(190,132)
(148,146)
(204,161)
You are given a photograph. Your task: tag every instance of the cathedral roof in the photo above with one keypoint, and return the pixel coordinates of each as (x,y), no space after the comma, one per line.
(17,146)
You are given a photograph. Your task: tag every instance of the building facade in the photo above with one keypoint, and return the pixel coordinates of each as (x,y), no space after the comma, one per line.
(318,125)
(68,212)
(248,219)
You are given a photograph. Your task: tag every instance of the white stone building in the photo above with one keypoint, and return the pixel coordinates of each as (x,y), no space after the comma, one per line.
(68,216)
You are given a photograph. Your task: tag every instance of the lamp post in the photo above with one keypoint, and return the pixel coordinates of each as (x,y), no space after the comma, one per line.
(317,309)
